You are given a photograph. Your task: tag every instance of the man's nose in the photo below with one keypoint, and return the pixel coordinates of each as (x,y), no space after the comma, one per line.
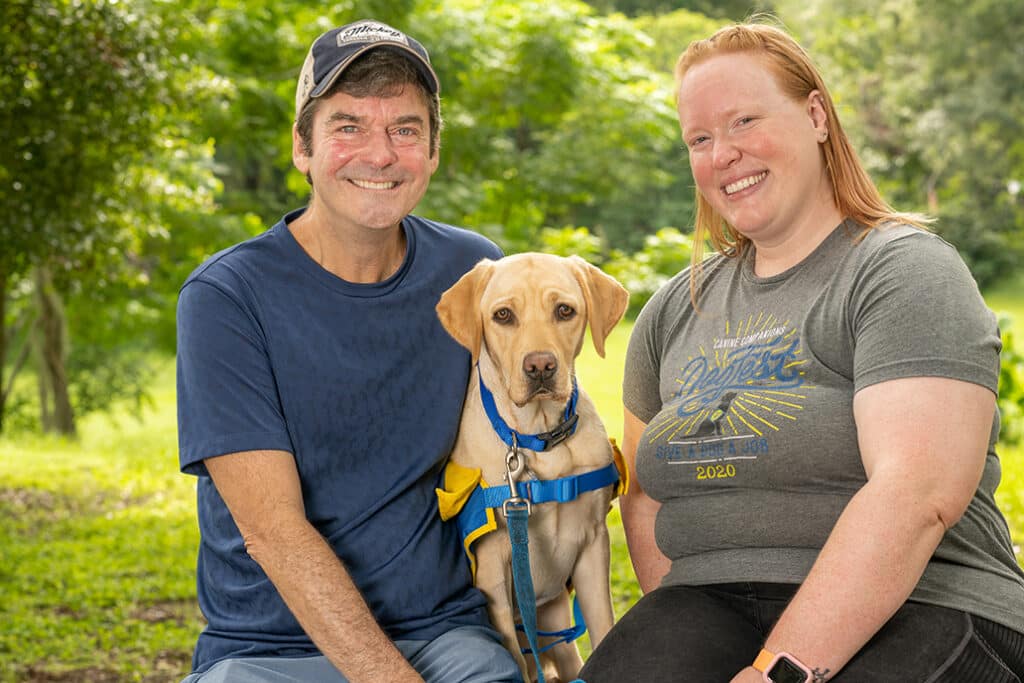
(379,149)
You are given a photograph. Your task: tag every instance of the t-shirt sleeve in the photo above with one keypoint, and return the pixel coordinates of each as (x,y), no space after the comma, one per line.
(227,395)
(917,312)
(641,382)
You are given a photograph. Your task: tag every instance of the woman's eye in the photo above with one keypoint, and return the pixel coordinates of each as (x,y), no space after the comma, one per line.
(565,312)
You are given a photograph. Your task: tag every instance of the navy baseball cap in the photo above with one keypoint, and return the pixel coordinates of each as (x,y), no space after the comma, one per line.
(333,51)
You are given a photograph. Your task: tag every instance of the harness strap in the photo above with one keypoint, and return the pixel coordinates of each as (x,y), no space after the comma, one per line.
(566,635)
(561,490)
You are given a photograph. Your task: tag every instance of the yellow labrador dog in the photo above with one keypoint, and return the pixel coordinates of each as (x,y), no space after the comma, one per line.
(523,318)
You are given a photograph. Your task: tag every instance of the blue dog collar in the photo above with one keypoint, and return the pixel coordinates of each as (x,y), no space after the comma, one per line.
(534,442)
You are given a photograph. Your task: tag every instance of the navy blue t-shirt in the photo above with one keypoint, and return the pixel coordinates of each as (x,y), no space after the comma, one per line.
(364,387)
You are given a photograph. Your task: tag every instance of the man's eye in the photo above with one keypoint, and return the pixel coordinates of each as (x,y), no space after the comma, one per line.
(406,135)
(503,316)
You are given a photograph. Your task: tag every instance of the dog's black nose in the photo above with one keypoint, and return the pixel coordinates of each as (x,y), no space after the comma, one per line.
(540,365)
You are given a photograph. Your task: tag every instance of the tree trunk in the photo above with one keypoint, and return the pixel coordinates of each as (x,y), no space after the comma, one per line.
(56,413)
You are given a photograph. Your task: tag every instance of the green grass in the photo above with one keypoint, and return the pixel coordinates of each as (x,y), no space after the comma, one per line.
(1008,297)
(98,539)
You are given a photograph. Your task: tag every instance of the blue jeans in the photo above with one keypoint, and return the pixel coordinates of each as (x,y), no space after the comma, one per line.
(468,654)
(706,634)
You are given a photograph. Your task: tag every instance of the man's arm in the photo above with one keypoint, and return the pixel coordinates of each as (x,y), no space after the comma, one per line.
(262,492)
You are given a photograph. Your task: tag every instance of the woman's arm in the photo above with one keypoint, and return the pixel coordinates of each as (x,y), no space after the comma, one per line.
(638,514)
(923,442)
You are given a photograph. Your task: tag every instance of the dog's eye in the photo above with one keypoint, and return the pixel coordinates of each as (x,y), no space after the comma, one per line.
(565,312)
(503,316)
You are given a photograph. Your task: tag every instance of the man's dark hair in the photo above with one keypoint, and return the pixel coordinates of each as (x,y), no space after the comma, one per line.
(381,72)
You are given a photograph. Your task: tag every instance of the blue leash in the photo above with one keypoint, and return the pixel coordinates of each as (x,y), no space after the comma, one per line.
(517,511)
(517,517)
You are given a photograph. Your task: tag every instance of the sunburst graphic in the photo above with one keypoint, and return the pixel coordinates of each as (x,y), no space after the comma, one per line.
(751,383)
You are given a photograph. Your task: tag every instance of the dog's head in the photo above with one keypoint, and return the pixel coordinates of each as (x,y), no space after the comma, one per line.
(528,314)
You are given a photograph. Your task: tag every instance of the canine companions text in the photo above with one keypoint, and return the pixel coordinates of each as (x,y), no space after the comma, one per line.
(523,318)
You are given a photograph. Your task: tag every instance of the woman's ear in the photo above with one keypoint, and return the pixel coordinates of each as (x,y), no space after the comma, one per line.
(817,114)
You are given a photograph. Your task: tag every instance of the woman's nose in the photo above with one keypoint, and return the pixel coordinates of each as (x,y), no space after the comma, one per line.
(725,153)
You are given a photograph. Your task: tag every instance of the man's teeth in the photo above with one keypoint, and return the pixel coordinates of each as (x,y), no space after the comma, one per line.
(745,183)
(369,185)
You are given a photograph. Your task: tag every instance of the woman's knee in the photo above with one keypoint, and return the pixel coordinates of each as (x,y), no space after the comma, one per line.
(672,634)
(928,643)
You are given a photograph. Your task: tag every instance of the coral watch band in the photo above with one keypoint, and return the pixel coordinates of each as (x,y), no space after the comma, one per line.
(764,658)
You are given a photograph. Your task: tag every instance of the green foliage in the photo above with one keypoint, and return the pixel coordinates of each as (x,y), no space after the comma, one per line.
(1011,384)
(735,10)
(572,241)
(670,33)
(1010,494)
(85,89)
(930,92)
(553,118)
(98,172)
(664,254)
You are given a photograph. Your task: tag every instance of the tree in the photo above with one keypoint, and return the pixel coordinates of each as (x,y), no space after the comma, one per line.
(553,118)
(86,93)
(933,94)
(736,10)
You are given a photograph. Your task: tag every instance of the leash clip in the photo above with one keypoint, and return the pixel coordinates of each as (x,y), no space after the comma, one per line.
(515,465)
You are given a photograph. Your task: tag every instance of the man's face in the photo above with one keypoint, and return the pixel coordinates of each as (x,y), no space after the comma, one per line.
(370,163)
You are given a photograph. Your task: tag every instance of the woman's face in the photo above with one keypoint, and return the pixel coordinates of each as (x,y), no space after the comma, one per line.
(755,152)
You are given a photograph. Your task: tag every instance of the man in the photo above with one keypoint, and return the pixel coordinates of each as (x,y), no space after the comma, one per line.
(318,396)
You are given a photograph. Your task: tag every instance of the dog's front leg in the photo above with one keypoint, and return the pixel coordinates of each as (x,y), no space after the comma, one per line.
(494,579)
(590,578)
(553,616)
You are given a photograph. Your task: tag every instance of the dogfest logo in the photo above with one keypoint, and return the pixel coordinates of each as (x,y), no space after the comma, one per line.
(732,396)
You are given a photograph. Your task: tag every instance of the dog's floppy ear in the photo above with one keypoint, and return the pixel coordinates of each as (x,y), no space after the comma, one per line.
(459,309)
(606,300)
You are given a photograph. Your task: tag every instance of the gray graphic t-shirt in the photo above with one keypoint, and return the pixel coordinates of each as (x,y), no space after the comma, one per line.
(751,445)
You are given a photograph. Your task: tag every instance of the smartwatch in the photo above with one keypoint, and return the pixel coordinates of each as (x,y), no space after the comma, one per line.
(782,668)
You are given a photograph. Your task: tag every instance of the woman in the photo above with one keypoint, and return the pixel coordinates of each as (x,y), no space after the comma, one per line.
(810,416)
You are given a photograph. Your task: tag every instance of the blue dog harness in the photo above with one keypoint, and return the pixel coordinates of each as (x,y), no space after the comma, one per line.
(465,496)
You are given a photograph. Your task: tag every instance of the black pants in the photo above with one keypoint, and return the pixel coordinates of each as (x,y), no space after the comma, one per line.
(684,634)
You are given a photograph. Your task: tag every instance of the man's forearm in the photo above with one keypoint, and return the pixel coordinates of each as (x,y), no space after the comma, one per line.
(320,593)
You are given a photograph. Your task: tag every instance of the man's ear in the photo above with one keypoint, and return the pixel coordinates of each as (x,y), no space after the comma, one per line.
(299,156)
(459,307)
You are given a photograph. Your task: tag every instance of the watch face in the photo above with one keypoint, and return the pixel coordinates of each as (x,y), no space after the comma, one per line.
(786,671)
